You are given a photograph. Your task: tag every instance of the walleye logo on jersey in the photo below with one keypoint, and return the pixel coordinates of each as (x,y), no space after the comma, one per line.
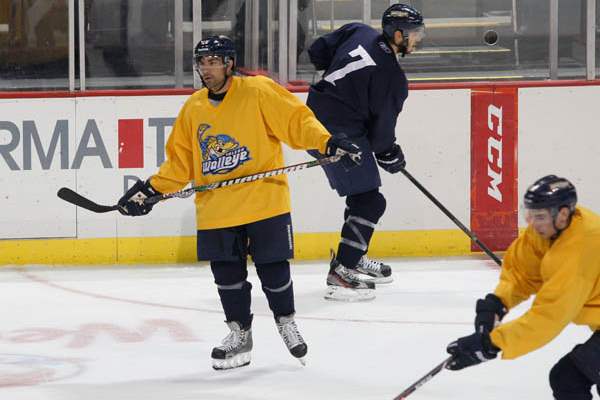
(221,153)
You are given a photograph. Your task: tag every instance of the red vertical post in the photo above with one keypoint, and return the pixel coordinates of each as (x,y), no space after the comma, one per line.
(494,166)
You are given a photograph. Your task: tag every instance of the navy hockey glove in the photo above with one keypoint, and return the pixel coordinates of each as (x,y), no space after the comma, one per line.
(132,203)
(490,312)
(471,350)
(392,160)
(340,145)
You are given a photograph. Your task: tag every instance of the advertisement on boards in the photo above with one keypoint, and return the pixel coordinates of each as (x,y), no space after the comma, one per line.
(494,167)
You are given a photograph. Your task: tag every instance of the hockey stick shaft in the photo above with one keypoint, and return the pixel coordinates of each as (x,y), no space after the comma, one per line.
(75,198)
(243,179)
(435,201)
(409,390)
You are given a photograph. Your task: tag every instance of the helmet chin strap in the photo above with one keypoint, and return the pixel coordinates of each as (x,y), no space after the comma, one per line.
(403,48)
(554,213)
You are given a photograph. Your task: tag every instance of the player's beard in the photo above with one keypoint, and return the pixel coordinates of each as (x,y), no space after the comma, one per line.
(215,85)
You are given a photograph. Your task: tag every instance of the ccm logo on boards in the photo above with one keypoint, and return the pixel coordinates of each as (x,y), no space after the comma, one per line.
(494,151)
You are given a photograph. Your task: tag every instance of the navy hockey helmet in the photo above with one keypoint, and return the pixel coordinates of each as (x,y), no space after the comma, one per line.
(218,45)
(401,17)
(551,192)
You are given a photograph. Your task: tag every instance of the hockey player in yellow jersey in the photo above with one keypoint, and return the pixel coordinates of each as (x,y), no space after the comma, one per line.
(557,259)
(231,128)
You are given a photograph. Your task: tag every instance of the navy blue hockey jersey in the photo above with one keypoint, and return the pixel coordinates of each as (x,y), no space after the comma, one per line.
(363,87)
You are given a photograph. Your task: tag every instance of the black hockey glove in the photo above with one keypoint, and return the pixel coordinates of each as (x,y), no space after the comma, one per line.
(392,160)
(471,350)
(340,145)
(490,312)
(132,203)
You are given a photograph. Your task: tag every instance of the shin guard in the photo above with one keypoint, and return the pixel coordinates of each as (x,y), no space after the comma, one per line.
(234,290)
(277,285)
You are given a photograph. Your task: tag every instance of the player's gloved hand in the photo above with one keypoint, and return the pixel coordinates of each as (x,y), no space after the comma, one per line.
(340,145)
(471,350)
(132,203)
(392,160)
(490,312)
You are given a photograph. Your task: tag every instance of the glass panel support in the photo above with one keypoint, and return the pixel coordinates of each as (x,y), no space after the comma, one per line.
(72,45)
(283,42)
(178,32)
(293,39)
(196,35)
(81,21)
(255,33)
(251,26)
(553,50)
(270,36)
(515,26)
(366,13)
(590,41)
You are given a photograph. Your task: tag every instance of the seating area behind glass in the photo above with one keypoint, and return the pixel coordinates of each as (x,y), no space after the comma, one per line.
(118,44)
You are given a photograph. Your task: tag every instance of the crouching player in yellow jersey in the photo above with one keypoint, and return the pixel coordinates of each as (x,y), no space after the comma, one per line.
(231,128)
(558,260)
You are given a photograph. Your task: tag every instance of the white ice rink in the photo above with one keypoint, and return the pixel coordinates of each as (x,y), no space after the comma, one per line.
(146,333)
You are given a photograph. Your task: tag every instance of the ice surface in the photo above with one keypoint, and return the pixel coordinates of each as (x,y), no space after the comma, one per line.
(146,332)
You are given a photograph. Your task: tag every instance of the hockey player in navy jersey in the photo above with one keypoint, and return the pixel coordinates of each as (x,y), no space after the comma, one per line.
(360,95)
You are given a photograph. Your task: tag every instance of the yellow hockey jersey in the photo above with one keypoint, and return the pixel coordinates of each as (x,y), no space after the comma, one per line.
(240,136)
(564,275)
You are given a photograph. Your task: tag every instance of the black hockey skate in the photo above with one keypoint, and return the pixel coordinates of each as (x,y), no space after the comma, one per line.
(347,284)
(380,272)
(235,348)
(291,337)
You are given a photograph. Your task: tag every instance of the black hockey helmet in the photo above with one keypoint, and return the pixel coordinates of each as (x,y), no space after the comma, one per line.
(551,192)
(401,17)
(218,45)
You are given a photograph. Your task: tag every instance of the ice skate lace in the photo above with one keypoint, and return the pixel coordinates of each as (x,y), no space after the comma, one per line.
(290,334)
(369,264)
(231,341)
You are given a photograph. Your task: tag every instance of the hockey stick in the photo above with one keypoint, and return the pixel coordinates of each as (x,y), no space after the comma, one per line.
(75,198)
(452,217)
(83,202)
(408,391)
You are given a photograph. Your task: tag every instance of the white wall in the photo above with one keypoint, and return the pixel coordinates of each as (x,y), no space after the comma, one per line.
(28,203)
(559,133)
(434,132)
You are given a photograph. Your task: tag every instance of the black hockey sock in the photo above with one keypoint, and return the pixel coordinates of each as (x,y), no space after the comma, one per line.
(356,235)
(234,290)
(360,217)
(277,286)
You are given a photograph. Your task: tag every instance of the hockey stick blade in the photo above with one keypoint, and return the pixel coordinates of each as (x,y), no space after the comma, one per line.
(75,198)
(408,391)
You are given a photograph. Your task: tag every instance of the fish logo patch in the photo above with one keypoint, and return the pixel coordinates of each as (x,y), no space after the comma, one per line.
(221,153)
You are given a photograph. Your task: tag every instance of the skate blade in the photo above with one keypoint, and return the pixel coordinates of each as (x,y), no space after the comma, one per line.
(240,360)
(339,293)
(384,279)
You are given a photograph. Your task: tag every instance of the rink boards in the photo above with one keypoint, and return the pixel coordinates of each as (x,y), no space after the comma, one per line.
(476,148)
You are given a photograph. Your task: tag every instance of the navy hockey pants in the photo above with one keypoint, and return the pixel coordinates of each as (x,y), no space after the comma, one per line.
(574,375)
